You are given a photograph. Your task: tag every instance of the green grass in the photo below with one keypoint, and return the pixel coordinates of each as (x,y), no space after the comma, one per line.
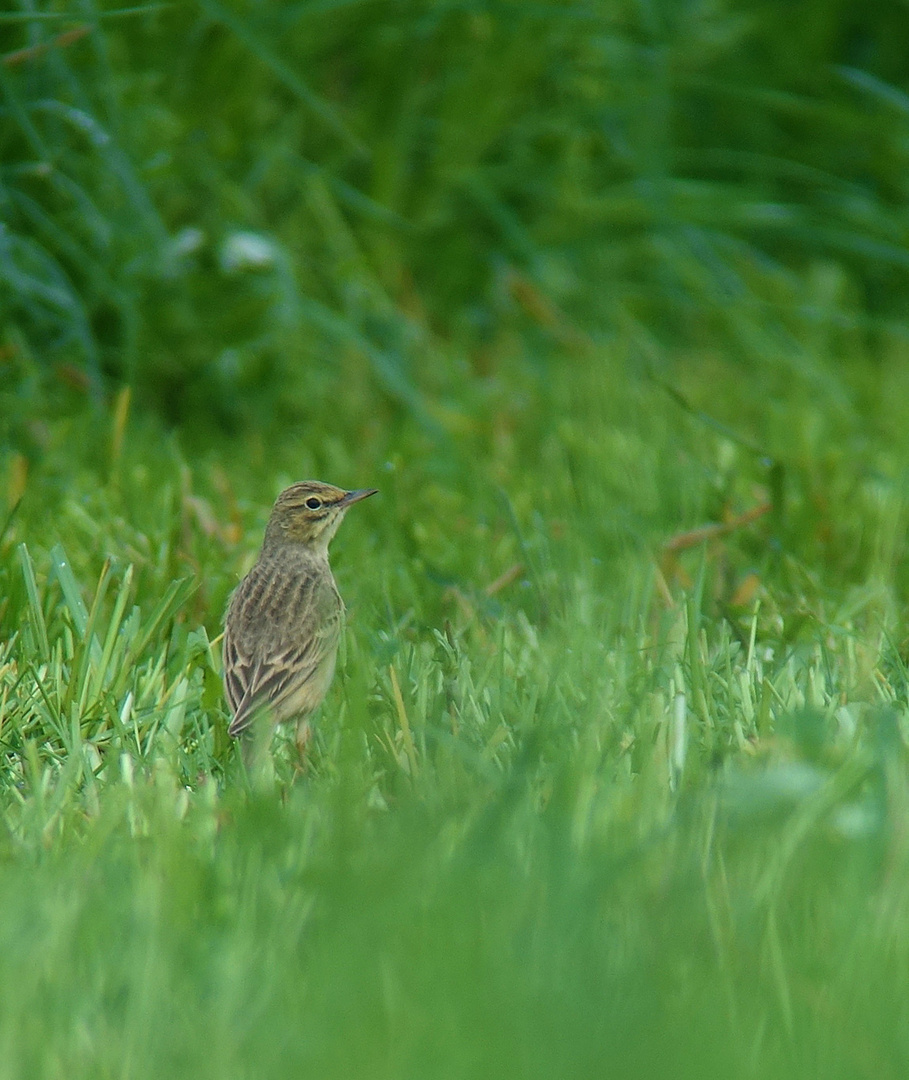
(627,814)
(608,302)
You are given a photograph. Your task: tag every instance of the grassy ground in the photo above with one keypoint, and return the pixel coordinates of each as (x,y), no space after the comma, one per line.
(609,303)
(590,792)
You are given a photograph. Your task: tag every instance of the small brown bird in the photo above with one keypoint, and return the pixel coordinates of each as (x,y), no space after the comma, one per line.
(285,618)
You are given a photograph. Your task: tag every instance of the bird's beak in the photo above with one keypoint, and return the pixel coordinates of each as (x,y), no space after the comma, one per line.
(355,496)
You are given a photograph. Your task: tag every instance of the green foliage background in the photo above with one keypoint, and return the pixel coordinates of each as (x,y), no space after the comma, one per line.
(608,299)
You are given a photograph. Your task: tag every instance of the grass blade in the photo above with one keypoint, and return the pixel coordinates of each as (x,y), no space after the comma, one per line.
(73,597)
(34,600)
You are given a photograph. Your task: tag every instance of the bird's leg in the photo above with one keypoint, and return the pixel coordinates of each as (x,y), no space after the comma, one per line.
(257,763)
(302,738)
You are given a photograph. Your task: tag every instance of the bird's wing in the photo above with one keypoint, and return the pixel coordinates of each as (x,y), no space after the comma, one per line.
(270,670)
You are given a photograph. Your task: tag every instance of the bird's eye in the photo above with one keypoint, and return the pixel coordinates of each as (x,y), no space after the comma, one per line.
(313,503)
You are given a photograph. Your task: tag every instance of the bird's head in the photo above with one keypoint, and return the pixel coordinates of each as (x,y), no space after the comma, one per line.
(309,513)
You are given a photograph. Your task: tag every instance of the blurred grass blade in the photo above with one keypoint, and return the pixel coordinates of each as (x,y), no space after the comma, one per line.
(876,88)
(113,632)
(318,106)
(34,600)
(73,597)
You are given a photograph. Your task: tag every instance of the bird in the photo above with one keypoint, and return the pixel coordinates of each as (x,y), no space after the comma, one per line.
(285,618)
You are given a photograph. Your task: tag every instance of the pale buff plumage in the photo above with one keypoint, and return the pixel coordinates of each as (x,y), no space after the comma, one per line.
(285,619)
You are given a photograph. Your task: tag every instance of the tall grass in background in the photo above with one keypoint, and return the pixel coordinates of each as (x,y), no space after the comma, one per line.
(301,180)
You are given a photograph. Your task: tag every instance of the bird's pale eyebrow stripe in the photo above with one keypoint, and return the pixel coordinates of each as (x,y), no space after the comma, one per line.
(299,502)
